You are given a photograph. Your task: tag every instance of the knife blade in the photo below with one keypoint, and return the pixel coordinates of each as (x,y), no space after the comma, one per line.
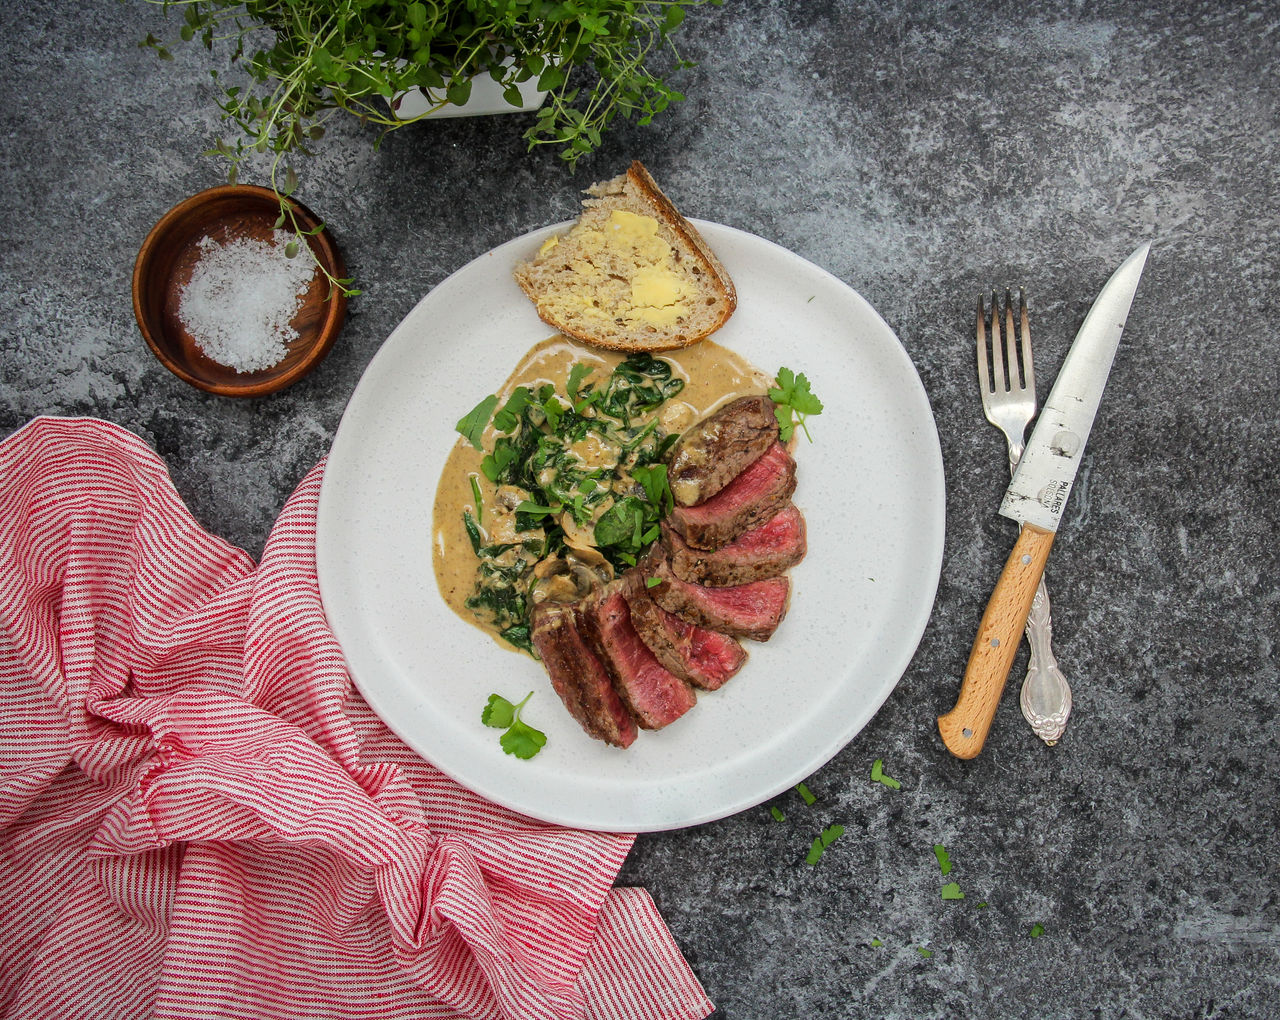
(1036,499)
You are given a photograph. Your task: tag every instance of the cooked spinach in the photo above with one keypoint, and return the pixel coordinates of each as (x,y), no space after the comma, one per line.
(539,452)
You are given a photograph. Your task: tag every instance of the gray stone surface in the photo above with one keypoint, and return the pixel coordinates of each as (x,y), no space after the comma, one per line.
(921,152)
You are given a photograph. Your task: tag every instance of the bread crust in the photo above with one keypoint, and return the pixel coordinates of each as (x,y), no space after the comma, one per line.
(689,243)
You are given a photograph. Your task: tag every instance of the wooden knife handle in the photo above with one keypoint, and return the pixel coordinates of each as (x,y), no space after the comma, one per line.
(964,729)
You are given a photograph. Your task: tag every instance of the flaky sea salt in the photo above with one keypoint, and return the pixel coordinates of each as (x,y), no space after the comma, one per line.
(241,298)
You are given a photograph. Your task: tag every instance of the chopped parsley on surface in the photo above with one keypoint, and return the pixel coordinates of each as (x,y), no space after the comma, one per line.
(878,776)
(820,843)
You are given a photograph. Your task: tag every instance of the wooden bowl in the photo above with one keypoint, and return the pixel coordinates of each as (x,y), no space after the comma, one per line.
(164,267)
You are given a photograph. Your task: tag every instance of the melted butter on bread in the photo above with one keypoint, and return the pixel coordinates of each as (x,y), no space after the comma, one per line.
(631,274)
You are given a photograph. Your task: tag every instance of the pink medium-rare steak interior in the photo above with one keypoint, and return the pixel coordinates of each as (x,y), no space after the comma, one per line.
(766,551)
(578,676)
(655,695)
(752,498)
(705,658)
(751,610)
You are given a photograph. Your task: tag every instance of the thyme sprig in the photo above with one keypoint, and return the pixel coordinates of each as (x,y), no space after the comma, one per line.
(304,61)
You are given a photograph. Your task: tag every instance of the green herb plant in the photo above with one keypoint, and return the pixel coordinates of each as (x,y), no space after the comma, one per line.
(303,61)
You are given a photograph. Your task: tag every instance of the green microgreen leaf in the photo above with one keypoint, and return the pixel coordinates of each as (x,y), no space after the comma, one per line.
(944,859)
(878,776)
(951,891)
(471,425)
(498,712)
(805,795)
(520,739)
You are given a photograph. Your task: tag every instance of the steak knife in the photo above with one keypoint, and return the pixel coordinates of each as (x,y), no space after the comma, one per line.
(1035,499)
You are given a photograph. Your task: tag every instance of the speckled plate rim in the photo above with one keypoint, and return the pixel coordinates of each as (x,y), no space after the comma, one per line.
(871,486)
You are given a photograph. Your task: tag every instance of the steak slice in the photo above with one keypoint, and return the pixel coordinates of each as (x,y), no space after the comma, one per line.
(581,680)
(655,695)
(752,498)
(710,454)
(766,551)
(706,658)
(751,610)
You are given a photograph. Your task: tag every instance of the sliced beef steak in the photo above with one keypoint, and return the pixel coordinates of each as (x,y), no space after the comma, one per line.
(765,551)
(751,610)
(706,658)
(578,676)
(655,695)
(717,449)
(752,498)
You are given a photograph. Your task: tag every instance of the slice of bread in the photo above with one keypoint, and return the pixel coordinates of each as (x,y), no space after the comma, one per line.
(631,274)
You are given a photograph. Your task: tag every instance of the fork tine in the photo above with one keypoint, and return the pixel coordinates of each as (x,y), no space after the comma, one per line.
(1010,343)
(984,369)
(997,357)
(1024,343)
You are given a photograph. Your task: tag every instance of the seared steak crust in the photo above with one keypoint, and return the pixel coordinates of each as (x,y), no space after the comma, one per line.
(752,498)
(705,658)
(766,551)
(719,448)
(578,676)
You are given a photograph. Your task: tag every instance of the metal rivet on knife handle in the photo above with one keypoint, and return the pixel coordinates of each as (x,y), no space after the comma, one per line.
(964,729)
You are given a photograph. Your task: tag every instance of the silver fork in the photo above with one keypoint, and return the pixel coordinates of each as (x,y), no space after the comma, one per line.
(1007,380)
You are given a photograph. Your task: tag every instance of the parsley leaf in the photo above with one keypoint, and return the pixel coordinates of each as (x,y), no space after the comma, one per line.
(1037,930)
(951,891)
(778,816)
(878,776)
(820,843)
(794,402)
(944,859)
(471,425)
(926,953)
(805,795)
(499,712)
(520,738)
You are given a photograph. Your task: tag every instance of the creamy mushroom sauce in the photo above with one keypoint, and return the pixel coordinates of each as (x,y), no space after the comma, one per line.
(712,375)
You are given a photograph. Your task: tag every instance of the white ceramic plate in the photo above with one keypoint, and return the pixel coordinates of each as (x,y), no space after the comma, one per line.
(870,485)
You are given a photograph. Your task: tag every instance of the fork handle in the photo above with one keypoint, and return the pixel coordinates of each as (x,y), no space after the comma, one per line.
(964,729)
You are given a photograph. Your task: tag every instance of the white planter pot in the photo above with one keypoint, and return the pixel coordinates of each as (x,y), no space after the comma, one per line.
(486,98)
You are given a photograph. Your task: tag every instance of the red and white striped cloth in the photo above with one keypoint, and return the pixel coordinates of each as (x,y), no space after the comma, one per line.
(200,817)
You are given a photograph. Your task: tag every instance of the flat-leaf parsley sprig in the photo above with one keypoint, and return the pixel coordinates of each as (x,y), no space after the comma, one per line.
(520,738)
(793,403)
